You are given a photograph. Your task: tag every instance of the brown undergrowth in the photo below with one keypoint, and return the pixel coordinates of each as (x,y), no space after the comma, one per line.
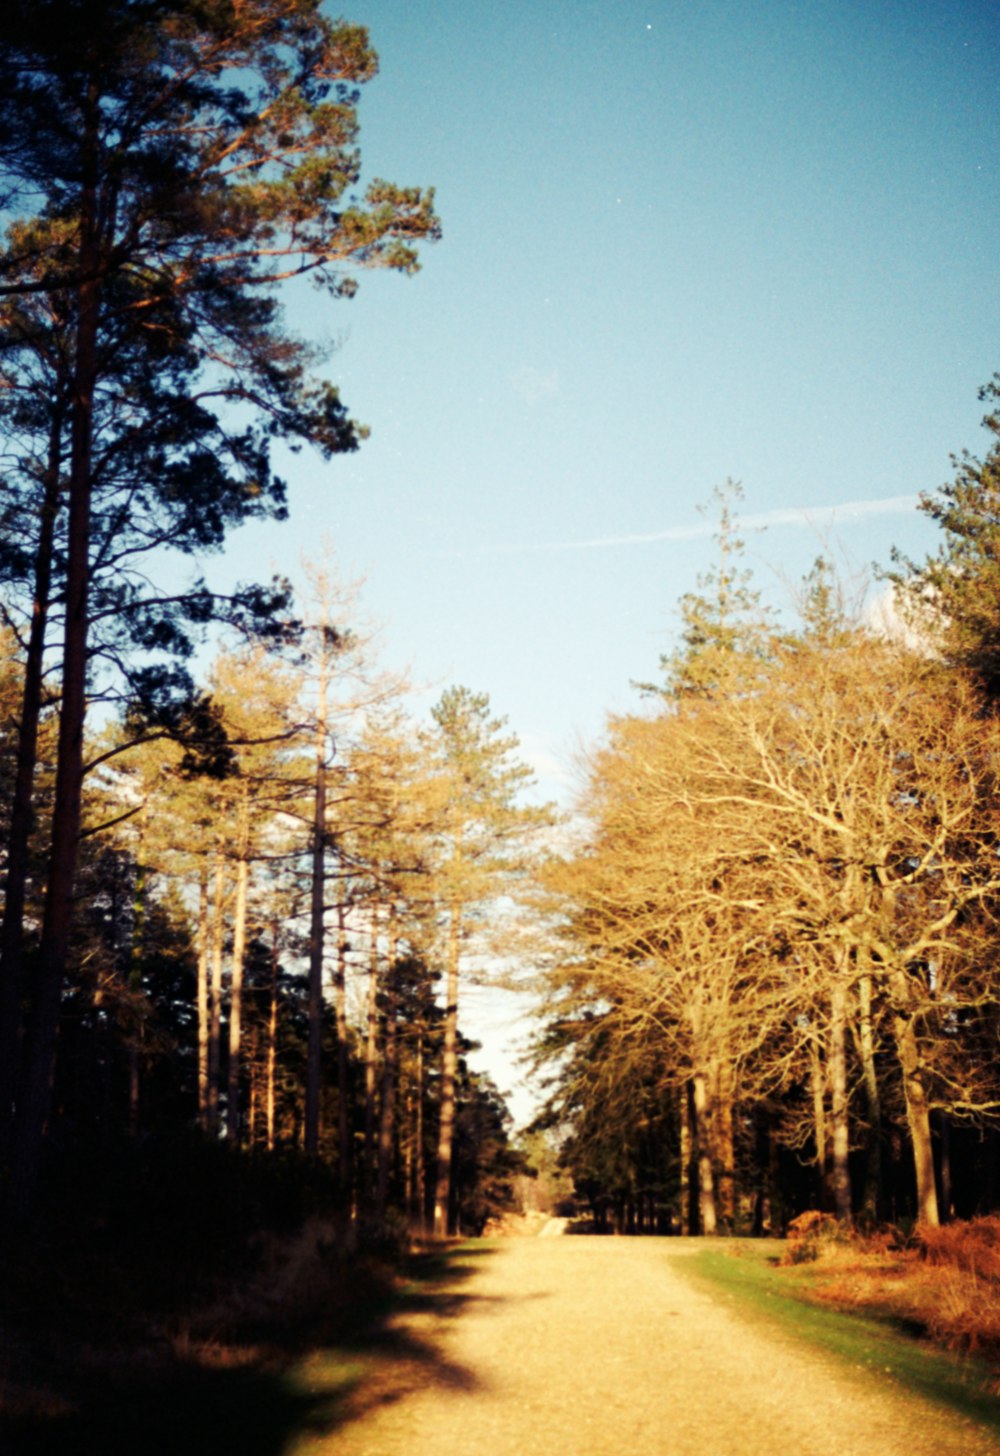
(67,1333)
(941,1282)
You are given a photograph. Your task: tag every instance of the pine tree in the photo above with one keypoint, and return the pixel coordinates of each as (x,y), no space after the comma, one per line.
(952,599)
(482,838)
(186,159)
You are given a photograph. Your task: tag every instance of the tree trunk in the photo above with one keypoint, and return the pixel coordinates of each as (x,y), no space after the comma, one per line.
(918,1118)
(408,1151)
(722,1141)
(684,1114)
(420,1170)
(135,988)
(449,1069)
(272,1040)
(22,815)
(215,995)
(371,1067)
(33,1108)
(204,937)
(317,923)
(817,1085)
(840,1139)
(387,1118)
(344,1159)
(871,1202)
(236,1001)
(707,1220)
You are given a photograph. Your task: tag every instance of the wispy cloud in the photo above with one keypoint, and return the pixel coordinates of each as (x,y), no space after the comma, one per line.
(815,517)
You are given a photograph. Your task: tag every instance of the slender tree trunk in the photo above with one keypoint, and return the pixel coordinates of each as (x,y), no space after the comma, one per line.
(420,1171)
(371,1065)
(866,1046)
(387,1118)
(838,1100)
(204,936)
(236,1000)
(33,1107)
(22,816)
(684,1116)
(272,1039)
(945,1209)
(215,995)
(344,1159)
(449,1069)
(817,1084)
(408,1153)
(317,921)
(722,1140)
(918,1113)
(135,982)
(250,1061)
(707,1220)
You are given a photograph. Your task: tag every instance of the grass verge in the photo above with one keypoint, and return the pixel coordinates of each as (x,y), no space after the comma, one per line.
(748,1276)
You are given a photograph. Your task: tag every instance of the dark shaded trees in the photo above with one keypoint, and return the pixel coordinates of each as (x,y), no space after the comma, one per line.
(182,160)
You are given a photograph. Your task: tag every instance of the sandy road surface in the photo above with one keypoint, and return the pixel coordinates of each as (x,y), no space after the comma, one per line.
(587,1347)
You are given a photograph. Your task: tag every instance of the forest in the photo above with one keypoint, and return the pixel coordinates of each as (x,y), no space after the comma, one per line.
(240,880)
(772,978)
(250,877)
(245,884)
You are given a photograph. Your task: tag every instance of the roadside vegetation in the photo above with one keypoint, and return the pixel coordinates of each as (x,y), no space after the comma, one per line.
(771,980)
(144,1329)
(911,1311)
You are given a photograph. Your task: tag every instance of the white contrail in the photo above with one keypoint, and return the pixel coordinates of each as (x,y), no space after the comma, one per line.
(814,516)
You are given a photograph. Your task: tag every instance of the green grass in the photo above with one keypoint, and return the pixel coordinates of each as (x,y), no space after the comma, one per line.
(747,1276)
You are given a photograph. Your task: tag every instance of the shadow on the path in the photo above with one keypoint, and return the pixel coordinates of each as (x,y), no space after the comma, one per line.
(256,1401)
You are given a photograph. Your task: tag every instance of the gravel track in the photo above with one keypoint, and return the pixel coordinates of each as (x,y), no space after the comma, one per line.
(591,1346)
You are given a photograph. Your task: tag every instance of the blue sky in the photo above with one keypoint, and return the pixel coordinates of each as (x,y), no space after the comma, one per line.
(682,241)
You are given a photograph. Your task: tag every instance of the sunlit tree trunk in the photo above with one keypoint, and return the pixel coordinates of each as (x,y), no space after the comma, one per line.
(817,1088)
(236,995)
(684,1118)
(204,942)
(408,1151)
(215,994)
(707,1219)
(866,1049)
(721,1097)
(918,1115)
(371,1065)
(317,920)
(272,1040)
(840,1138)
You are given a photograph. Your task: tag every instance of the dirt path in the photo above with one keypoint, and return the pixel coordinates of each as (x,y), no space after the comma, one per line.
(588,1347)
